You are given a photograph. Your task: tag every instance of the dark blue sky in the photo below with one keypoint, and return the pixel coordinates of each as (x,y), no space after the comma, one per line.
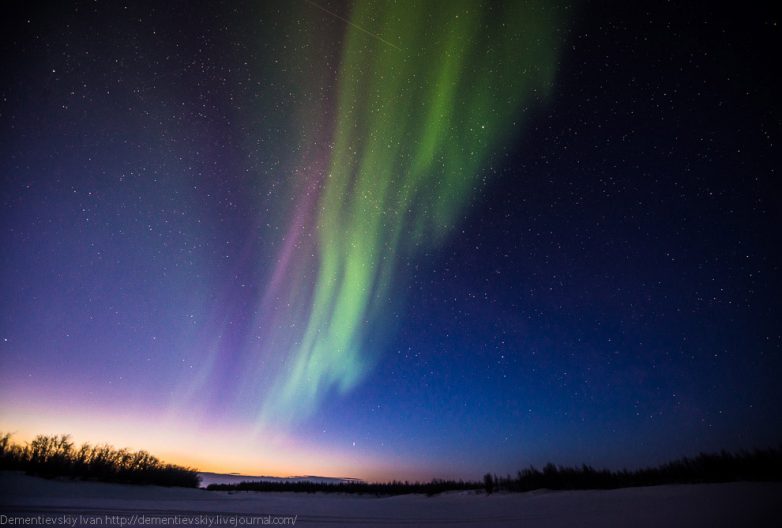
(609,295)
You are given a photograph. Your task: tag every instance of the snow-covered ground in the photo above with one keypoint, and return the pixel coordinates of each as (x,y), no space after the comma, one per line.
(741,504)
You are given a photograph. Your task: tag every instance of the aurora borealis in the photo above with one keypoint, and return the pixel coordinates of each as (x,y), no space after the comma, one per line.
(413,131)
(390,239)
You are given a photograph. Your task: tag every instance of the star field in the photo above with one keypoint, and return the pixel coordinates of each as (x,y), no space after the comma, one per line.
(386,240)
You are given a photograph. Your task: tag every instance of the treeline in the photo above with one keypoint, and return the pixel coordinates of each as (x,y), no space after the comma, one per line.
(56,456)
(758,465)
(353,486)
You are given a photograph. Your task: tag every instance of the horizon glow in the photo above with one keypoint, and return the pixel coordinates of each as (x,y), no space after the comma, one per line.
(387,239)
(388,163)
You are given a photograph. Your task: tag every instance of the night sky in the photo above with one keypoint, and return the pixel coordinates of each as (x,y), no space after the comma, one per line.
(391,239)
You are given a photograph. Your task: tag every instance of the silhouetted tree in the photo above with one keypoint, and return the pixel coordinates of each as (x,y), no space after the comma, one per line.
(488,483)
(53,456)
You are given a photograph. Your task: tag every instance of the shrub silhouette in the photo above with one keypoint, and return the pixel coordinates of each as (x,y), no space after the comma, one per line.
(395,487)
(55,456)
(488,483)
(758,465)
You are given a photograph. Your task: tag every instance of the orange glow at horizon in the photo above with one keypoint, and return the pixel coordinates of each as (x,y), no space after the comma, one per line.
(208,448)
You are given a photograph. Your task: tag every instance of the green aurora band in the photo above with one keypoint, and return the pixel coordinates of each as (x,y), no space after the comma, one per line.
(427,91)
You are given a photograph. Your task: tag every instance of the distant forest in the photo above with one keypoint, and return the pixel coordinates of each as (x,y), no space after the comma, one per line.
(757,465)
(56,456)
